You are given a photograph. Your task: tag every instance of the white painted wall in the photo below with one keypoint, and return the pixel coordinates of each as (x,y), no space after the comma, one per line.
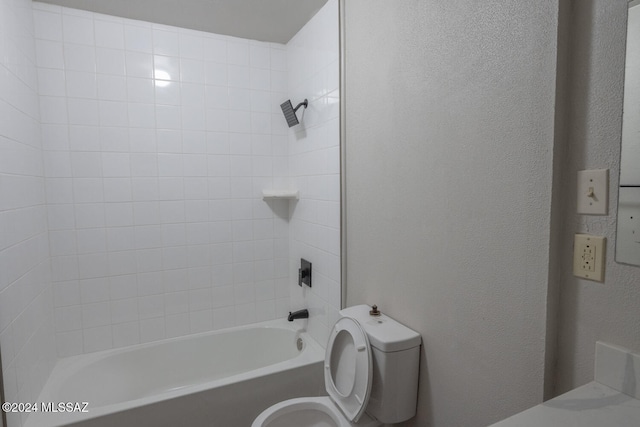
(26,306)
(450,130)
(592,311)
(314,165)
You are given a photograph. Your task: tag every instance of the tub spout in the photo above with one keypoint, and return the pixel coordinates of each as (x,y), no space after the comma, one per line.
(300,314)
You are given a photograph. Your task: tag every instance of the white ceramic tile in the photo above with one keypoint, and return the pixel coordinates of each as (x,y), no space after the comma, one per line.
(89,215)
(240,121)
(55,137)
(118,214)
(215,73)
(69,343)
(278,59)
(109,34)
(139,64)
(97,339)
(145,189)
(53,110)
(121,263)
(116,164)
(92,266)
(83,112)
(114,139)
(146,213)
(140,90)
(91,240)
(126,334)
(68,318)
(86,164)
(113,113)
(260,79)
(77,29)
(192,71)
(112,88)
(166,68)
(195,165)
(217,97)
(84,138)
(138,38)
(47,25)
(151,306)
(168,116)
(170,165)
(148,236)
(215,50)
(141,116)
(239,99)
(80,58)
(111,61)
(166,43)
(173,234)
(51,82)
(237,53)
(150,283)
(57,164)
(81,84)
(123,287)
(61,217)
(117,189)
(238,76)
(49,54)
(201,321)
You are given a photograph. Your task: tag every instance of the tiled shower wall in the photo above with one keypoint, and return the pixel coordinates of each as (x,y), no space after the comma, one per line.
(314,147)
(26,311)
(158,142)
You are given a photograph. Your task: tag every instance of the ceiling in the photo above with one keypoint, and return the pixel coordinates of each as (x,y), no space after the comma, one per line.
(266,20)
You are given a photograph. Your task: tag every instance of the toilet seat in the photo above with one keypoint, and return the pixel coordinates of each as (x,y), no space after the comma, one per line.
(348,368)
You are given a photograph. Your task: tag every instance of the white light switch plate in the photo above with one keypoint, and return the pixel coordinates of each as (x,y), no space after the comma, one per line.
(593,192)
(588,257)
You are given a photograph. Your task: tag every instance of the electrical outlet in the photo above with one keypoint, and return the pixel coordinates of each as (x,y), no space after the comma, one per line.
(588,257)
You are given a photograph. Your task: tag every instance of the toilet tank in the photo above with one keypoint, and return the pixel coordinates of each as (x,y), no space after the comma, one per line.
(396,363)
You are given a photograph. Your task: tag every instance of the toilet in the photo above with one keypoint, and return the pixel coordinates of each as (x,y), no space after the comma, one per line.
(370,372)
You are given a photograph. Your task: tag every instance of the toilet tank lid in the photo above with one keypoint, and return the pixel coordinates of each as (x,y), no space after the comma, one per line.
(384,333)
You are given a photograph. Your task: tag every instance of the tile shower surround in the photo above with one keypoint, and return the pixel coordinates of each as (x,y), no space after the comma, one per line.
(26,312)
(158,142)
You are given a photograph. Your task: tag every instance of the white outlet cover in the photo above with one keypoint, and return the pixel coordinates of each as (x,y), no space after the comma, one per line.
(593,192)
(596,247)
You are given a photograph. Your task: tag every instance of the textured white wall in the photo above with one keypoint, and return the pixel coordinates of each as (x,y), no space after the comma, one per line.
(450,129)
(592,311)
(26,304)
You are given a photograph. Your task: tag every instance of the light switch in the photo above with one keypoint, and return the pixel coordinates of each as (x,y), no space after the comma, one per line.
(593,192)
(588,257)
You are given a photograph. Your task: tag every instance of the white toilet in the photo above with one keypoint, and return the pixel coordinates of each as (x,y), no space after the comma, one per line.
(371,375)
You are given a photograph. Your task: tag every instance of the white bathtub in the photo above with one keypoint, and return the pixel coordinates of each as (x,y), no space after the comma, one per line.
(223,378)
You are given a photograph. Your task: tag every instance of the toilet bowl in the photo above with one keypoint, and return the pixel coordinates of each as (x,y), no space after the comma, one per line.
(308,412)
(371,364)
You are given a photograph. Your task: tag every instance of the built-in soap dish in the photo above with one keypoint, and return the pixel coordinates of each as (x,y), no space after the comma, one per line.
(280,194)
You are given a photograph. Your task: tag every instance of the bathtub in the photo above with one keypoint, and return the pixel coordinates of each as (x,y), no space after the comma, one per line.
(223,378)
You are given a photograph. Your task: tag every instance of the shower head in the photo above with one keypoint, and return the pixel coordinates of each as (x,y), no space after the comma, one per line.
(290,112)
